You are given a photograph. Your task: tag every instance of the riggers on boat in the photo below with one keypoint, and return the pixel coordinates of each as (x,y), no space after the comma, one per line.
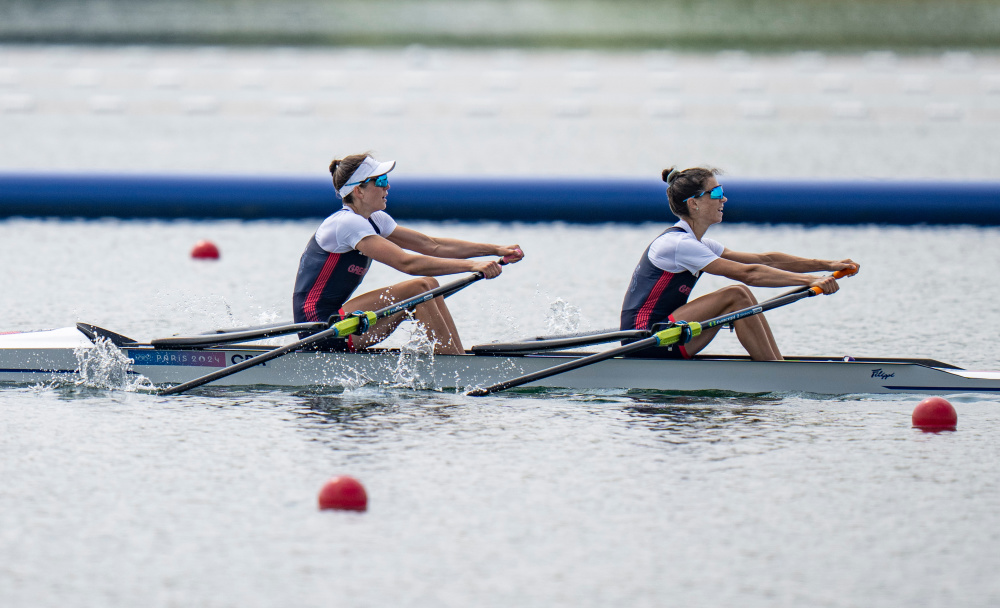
(57,355)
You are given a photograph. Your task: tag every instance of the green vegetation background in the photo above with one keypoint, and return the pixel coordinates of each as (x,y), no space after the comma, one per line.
(681,24)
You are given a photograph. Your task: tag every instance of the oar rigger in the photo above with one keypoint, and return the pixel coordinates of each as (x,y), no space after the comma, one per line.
(365,320)
(687,331)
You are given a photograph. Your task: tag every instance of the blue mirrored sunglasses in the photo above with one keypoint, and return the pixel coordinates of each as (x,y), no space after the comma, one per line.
(381,181)
(715,193)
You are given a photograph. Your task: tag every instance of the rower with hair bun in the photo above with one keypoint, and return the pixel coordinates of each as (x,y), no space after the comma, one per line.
(338,255)
(668,270)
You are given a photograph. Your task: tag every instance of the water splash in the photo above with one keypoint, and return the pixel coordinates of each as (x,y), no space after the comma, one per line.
(105,366)
(415,353)
(562,317)
(350,379)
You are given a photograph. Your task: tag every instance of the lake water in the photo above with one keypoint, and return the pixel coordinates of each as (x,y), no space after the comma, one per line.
(500,112)
(120,498)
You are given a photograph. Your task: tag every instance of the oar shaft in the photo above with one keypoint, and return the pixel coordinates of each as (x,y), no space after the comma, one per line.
(757,308)
(246,335)
(445,290)
(232,369)
(338,329)
(540,344)
(565,367)
(847,272)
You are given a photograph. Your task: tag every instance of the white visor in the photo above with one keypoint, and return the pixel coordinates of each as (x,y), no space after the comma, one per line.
(368,168)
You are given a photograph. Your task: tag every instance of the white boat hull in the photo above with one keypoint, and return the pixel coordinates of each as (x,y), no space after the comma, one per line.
(66,355)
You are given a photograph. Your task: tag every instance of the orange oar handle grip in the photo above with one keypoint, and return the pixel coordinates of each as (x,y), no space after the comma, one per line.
(845,272)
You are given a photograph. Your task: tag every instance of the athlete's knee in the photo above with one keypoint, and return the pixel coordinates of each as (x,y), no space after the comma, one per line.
(427,283)
(740,295)
(417,286)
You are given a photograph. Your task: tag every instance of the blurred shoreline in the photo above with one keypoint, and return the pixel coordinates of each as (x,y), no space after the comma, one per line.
(761,25)
(500,112)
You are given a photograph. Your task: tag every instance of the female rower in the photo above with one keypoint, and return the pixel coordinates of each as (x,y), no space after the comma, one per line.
(337,258)
(670,266)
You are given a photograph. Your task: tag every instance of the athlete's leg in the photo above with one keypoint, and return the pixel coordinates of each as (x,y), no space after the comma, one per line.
(436,317)
(753,332)
(439,325)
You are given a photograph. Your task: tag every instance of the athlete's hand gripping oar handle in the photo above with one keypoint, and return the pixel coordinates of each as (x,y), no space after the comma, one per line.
(839,274)
(850,271)
(666,337)
(509,259)
(339,329)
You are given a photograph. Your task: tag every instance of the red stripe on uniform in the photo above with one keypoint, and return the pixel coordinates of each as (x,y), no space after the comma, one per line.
(642,317)
(309,308)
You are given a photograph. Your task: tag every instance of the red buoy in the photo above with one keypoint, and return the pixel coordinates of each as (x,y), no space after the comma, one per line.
(345,493)
(935,414)
(205,250)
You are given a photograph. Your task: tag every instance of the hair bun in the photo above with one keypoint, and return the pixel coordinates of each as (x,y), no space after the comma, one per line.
(669,175)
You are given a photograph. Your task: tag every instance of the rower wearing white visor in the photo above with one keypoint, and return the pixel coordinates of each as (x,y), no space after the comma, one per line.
(673,262)
(338,255)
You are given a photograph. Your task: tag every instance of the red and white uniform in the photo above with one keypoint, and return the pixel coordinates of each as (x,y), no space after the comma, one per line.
(331,269)
(664,278)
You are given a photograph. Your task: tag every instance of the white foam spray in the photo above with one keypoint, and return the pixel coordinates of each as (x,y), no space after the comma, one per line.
(105,366)
(562,317)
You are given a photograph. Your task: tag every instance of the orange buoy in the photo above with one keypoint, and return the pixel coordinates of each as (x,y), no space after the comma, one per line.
(344,493)
(205,250)
(935,414)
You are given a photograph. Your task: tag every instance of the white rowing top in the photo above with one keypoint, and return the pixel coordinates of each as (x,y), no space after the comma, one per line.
(342,231)
(679,251)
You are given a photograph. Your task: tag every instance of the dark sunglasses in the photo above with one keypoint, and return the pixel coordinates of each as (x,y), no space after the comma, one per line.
(715,193)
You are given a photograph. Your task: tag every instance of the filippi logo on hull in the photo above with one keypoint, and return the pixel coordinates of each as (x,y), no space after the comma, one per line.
(178,357)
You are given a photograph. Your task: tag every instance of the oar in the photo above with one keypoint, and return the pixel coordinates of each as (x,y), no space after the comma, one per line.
(848,272)
(560,343)
(340,329)
(245,335)
(665,337)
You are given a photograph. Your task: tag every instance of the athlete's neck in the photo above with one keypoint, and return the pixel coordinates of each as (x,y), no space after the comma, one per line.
(699,228)
(354,207)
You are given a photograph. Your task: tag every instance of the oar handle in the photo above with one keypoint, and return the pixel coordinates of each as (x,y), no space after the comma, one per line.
(850,271)
(509,258)
(353,323)
(845,272)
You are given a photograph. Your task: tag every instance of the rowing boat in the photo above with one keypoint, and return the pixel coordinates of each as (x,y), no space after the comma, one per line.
(65,355)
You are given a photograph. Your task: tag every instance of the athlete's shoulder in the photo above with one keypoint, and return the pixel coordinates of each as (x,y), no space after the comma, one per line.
(342,230)
(339,217)
(385,223)
(671,236)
